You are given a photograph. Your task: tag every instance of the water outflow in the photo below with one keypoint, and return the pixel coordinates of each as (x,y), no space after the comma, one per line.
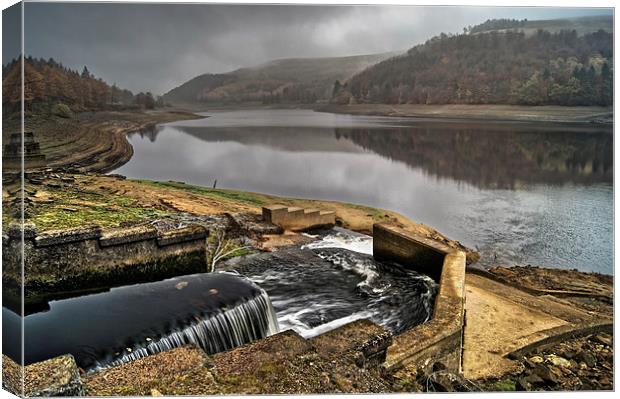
(246,322)
(215,311)
(335,280)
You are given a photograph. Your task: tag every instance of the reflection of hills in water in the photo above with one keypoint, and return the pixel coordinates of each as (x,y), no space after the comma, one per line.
(488,156)
(298,139)
(497,158)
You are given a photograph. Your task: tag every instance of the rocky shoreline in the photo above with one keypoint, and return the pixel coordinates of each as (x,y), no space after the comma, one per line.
(584,363)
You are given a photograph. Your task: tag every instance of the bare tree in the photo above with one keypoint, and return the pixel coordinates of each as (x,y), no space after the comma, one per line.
(219,247)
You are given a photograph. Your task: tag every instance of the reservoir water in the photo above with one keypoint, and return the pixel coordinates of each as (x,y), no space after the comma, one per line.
(520,193)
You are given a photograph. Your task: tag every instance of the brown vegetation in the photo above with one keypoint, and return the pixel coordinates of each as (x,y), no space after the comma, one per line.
(504,67)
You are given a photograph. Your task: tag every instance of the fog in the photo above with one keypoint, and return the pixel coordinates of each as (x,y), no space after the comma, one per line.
(156,47)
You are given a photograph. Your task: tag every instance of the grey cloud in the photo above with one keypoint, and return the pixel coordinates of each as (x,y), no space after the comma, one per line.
(158,46)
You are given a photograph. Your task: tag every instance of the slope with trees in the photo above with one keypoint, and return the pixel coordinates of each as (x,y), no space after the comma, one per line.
(294,80)
(49,86)
(507,67)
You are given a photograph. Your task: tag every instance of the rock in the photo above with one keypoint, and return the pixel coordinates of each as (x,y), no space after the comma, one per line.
(586,357)
(604,340)
(445,381)
(522,384)
(558,361)
(605,381)
(155,392)
(545,373)
(536,359)
(534,379)
(441,382)
(568,353)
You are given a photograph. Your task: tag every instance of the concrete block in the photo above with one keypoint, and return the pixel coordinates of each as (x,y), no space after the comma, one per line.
(295,218)
(127,235)
(189,233)
(59,237)
(274,212)
(411,250)
(54,377)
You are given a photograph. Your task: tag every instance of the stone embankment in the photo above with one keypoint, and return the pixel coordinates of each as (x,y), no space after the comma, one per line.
(471,332)
(90,257)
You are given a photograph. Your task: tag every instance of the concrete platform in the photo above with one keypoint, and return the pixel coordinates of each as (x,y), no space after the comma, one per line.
(501,319)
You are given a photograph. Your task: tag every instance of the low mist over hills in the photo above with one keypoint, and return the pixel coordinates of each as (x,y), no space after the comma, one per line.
(497,62)
(500,61)
(294,80)
(581,25)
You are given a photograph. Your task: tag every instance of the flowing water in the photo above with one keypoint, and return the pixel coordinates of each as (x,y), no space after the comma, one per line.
(214,311)
(520,193)
(334,280)
(326,283)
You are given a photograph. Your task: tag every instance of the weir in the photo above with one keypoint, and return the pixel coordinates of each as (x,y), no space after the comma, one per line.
(215,311)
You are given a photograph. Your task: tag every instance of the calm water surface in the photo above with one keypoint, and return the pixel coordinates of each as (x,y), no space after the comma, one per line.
(520,193)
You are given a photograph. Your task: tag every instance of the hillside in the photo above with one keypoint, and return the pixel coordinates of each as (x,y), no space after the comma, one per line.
(295,80)
(49,86)
(496,67)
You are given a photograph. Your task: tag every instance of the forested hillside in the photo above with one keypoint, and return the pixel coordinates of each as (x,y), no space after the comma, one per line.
(50,86)
(295,80)
(497,67)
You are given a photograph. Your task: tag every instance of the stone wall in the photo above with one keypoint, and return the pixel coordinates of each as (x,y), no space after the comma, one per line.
(438,341)
(298,218)
(89,257)
(413,250)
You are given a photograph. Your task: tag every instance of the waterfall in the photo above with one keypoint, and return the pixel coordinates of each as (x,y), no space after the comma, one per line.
(227,329)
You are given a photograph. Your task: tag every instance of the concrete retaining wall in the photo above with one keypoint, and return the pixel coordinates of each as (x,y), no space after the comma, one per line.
(298,218)
(440,339)
(89,257)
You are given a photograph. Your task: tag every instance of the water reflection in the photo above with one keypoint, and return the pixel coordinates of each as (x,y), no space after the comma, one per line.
(496,157)
(520,193)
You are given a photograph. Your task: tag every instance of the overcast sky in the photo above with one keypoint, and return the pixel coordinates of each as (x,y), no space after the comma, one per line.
(156,47)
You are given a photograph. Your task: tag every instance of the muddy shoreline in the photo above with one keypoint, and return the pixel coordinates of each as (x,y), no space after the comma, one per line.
(595,117)
(92,141)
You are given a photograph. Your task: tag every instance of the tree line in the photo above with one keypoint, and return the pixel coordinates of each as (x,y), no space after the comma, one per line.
(49,85)
(492,68)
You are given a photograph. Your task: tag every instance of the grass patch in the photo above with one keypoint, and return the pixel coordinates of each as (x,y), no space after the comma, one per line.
(73,210)
(377,215)
(230,195)
(503,385)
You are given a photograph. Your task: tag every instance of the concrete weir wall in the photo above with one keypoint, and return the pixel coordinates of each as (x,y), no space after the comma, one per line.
(297,218)
(90,257)
(440,339)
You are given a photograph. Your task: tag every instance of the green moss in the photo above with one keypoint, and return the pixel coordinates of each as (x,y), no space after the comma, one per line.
(231,195)
(503,385)
(105,210)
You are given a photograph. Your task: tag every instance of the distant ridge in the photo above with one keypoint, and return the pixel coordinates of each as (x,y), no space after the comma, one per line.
(289,80)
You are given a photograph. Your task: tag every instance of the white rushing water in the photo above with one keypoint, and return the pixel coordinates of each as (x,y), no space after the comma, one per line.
(351,285)
(244,323)
(355,242)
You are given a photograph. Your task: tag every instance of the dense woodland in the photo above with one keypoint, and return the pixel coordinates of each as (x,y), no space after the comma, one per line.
(507,67)
(50,86)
